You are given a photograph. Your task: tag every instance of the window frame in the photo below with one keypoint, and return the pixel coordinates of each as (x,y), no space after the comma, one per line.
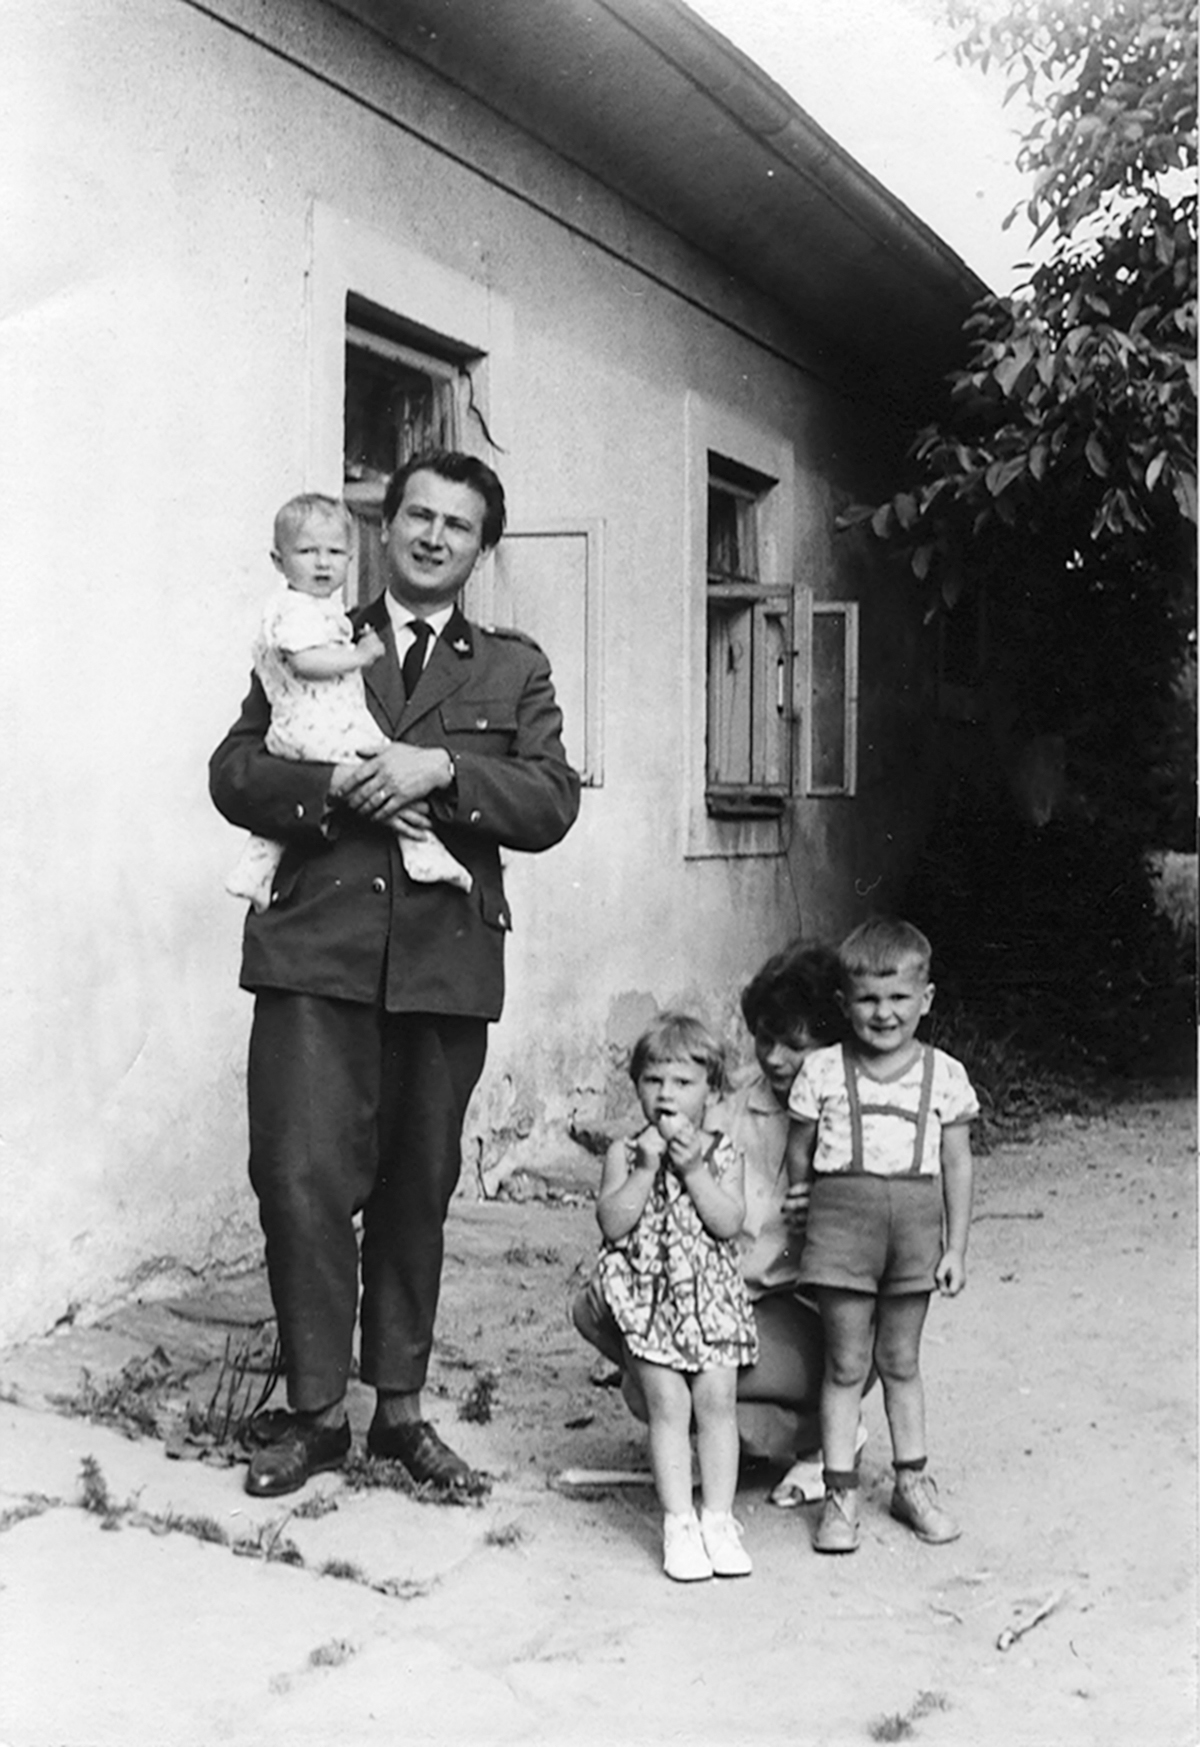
(446,370)
(849,612)
(721,823)
(353,265)
(739,602)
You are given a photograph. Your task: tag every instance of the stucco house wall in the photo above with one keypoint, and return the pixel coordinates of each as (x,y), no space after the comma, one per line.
(187,204)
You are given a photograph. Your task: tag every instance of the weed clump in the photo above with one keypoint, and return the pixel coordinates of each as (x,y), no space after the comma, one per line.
(899,1725)
(345,1569)
(476,1404)
(363,1473)
(504,1535)
(522,1255)
(131,1402)
(96,1497)
(331,1655)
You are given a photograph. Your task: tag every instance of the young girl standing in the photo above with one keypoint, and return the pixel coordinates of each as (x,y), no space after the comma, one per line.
(670,1207)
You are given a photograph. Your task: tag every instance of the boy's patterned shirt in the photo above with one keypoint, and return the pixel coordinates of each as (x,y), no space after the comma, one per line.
(819,1095)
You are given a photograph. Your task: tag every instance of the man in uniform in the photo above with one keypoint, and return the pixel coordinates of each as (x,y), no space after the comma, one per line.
(373,993)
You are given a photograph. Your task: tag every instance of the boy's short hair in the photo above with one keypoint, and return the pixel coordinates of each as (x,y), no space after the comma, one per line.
(884,944)
(677,1037)
(459,469)
(796,987)
(292,515)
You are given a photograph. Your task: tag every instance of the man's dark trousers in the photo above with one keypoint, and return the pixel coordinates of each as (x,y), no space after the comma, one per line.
(351,1108)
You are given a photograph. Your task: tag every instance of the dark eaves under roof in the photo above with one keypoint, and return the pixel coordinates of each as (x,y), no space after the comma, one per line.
(656,104)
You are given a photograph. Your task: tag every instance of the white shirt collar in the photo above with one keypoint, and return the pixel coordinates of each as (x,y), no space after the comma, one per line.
(401,619)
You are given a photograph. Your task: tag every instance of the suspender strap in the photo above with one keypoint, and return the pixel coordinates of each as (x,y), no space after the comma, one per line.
(923,1109)
(856,1127)
(858,1110)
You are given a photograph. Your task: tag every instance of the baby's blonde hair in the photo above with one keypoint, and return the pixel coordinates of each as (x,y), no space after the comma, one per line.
(292,515)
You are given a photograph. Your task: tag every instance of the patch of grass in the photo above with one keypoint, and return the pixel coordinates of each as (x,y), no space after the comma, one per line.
(200,1528)
(504,1535)
(344,1569)
(238,1395)
(476,1404)
(19,1513)
(899,1726)
(1016,1090)
(405,1588)
(363,1473)
(894,1728)
(267,1543)
(96,1497)
(319,1504)
(523,1255)
(333,1654)
(132,1402)
(926,1703)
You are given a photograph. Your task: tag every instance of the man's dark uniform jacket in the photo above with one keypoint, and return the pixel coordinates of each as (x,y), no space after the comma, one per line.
(357,1098)
(345,920)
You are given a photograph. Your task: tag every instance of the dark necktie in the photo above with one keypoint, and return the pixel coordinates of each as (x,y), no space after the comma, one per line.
(414,661)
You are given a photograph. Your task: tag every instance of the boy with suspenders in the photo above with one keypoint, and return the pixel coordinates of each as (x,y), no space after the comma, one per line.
(880,1133)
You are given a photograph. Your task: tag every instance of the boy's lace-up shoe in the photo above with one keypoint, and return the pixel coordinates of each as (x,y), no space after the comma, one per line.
(914,1502)
(804,1482)
(684,1555)
(837,1531)
(722,1537)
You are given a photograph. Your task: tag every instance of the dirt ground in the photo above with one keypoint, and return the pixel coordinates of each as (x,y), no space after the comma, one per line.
(1062,1391)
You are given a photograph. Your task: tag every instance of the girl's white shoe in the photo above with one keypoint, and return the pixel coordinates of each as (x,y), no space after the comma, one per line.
(722,1537)
(684,1555)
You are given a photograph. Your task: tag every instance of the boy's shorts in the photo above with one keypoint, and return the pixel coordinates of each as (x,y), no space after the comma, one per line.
(881,1235)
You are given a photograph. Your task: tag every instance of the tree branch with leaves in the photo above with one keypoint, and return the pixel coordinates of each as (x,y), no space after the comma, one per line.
(1075,416)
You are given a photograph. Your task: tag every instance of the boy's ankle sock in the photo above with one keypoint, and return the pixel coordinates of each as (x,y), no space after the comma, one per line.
(915,1466)
(840,1479)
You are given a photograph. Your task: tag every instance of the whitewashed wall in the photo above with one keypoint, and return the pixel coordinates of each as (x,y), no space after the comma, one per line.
(163,388)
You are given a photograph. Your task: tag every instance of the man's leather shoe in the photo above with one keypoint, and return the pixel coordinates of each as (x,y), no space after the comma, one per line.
(303,1450)
(427,1458)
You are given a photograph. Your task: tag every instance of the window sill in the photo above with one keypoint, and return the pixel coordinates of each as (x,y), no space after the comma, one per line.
(745,804)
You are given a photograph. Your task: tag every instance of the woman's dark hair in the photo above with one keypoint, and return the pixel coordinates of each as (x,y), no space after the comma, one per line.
(460,469)
(798,986)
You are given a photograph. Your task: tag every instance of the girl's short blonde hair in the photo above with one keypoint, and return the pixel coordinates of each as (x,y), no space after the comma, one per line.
(677,1037)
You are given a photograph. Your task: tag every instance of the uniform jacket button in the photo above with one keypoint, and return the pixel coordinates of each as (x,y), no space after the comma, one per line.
(476,815)
(299,810)
(378,885)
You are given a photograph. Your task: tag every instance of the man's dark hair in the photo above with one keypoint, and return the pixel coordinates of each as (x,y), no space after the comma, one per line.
(460,469)
(797,987)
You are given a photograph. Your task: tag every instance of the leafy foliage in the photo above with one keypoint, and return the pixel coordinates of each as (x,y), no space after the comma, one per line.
(1058,488)
(1075,416)
(1057,974)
